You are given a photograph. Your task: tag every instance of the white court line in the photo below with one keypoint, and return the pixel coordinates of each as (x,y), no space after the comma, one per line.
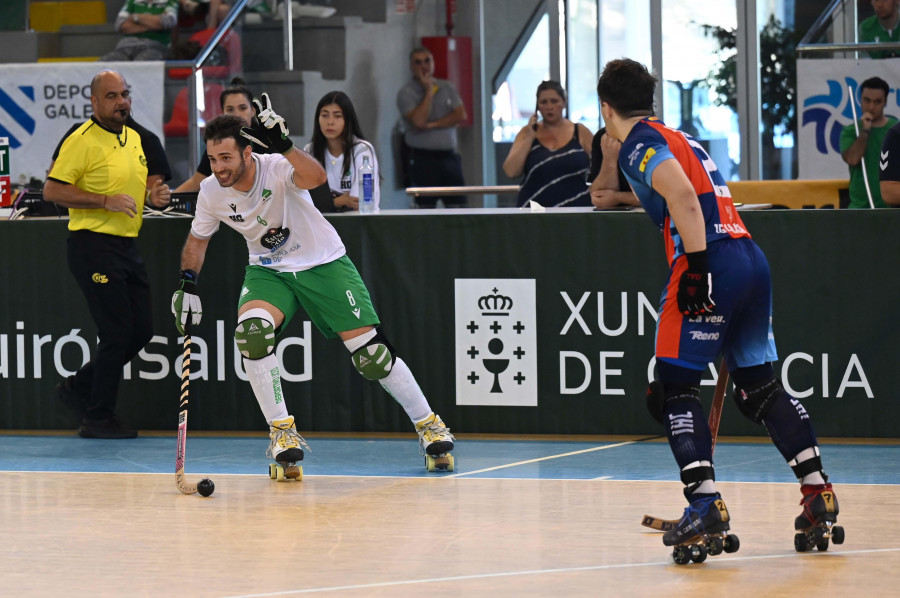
(552,571)
(590,450)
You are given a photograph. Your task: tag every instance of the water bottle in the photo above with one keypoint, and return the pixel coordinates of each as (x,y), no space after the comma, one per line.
(367,182)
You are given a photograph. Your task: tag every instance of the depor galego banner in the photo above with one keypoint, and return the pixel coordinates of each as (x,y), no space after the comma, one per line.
(824,89)
(40,102)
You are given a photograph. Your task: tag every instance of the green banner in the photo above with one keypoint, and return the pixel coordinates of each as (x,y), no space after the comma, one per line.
(511,323)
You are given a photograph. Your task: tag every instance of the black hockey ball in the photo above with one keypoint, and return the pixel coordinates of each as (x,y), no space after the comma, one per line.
(205,487)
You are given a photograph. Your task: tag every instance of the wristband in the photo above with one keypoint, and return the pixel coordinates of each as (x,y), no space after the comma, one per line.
(190,275)
(697,261)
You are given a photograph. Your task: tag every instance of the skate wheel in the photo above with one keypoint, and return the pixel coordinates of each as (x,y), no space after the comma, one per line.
(698,553)
(823,545)
(837,534)
(279,473)
(801,542)
(451,462)
(732,543)
(715,546)
(681,555)
(272,467)
(429,463)
(293,472)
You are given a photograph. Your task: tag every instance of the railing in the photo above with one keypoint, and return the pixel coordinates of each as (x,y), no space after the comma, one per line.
(195,79)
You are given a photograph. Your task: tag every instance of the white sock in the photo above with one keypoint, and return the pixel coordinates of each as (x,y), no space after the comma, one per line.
(706,486)
(265,379)
(401,385)
(815,478)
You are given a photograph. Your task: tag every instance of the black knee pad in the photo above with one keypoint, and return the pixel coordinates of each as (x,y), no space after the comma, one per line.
(754,401)
(660,396)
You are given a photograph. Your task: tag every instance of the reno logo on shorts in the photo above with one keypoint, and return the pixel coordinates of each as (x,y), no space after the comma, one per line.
(275,238)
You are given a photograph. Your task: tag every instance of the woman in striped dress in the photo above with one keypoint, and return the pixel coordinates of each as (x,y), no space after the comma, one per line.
(554,154)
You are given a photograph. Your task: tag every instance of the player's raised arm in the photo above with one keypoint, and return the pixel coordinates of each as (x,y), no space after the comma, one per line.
(270,131)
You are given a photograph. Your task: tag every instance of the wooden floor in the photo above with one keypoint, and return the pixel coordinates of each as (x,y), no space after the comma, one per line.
(120,534)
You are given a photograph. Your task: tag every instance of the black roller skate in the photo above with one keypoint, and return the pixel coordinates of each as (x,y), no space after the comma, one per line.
(816,524)
(702,531)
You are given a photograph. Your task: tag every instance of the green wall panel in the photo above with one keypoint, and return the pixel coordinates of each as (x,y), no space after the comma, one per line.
(835,281)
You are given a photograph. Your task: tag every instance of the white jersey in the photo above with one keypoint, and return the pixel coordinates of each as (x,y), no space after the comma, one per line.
(341,183)
(283,229)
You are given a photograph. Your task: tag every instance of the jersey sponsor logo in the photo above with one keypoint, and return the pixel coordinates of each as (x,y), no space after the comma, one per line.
(650,153)
(261,221)
(707,319)
(236,217)
(275,238)
(634,154)
(99,278)
(884,160)
(697,335)
(735,229)
(266,195)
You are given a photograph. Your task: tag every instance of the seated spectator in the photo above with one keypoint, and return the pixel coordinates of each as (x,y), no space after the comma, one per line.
(554,154)
(861,151)
(339,145)
(883,26)
(237,100)
(213,11)
(609,187)
(147,27)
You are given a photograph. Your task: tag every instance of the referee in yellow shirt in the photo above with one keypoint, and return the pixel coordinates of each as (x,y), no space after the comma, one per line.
(101,176)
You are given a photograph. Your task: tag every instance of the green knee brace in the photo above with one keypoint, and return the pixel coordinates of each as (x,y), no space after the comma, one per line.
(255,337)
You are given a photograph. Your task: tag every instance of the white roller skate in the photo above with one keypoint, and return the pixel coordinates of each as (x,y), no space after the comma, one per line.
(435,442)
(284,449)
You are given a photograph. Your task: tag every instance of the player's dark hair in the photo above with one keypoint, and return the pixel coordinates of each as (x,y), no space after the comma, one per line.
(226,126)
(627,86)
(351,129)
(237,86)
(876,83)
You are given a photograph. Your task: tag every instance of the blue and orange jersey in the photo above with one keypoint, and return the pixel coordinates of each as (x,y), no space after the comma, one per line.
(651,142)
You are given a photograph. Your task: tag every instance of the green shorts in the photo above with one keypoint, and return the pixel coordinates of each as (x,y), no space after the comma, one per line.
(333,295)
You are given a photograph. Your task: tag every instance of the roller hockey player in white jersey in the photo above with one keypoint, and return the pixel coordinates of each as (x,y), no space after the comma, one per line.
(708,247)
(296,260)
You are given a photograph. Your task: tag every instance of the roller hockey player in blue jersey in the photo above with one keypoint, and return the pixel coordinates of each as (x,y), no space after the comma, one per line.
(708,248)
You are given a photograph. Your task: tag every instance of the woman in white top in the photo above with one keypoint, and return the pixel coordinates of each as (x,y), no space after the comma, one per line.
(338,144)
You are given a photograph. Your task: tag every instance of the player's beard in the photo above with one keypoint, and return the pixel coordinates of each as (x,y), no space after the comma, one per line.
(235,176)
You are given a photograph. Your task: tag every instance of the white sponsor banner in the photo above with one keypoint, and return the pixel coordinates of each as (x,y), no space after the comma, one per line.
(40,102)
(823,99)
(496,342)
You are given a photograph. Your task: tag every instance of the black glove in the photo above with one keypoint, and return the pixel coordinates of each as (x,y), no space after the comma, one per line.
(269,130)
(695,286)
(186,300)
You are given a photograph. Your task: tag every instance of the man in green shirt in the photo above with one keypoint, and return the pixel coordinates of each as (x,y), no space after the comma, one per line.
(883,26)
(864,150)
(147,27)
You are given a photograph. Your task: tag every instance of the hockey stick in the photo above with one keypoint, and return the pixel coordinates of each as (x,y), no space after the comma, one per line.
(715,416)
(862,160)
(205,486)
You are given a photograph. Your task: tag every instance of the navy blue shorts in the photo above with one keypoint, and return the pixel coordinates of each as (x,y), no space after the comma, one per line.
(741,325)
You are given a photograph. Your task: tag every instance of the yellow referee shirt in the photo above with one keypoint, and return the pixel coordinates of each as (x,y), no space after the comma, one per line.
(97,160)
